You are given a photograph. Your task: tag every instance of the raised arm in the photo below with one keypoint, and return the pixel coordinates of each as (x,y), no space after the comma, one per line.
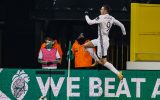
(94,21)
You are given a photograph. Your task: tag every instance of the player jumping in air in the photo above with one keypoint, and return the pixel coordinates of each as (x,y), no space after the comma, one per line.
(105,22)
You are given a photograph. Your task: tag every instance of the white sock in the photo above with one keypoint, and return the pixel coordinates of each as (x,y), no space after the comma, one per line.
(111,67)
(92,53)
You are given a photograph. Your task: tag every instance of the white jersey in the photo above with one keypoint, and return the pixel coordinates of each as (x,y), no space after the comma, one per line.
(105,23)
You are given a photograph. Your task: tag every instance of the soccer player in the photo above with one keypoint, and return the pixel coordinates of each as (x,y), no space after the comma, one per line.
(105,22)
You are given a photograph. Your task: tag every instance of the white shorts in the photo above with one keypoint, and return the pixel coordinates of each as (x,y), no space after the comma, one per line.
(101,47)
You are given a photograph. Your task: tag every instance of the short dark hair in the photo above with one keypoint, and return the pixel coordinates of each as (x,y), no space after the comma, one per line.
(106,7)
(49,38)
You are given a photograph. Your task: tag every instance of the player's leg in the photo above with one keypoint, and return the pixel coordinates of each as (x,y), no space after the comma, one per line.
(89,47)
(92,53)
(88,44)
(112,68)
(107,64)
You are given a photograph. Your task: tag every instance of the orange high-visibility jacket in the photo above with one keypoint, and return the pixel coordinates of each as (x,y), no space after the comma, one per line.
(82,57)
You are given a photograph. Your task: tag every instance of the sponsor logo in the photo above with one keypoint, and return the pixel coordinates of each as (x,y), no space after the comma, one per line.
(19,85)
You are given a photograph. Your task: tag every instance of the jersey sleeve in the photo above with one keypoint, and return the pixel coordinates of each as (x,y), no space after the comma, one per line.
(118,23)
(40,56)
(94,21)
(57,55)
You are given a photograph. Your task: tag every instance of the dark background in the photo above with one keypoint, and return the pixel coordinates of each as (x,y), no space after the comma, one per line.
(24,24)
